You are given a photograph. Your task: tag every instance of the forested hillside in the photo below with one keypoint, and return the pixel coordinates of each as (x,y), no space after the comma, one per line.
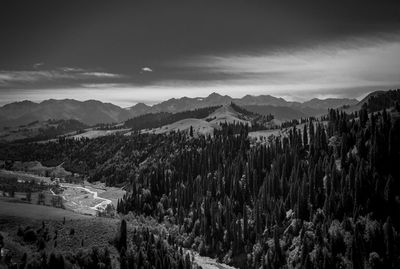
(155,120)
(325,196)
(382,100)
(37,131)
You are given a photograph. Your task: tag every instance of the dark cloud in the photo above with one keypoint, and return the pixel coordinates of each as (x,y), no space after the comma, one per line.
(122,36)
(56,44)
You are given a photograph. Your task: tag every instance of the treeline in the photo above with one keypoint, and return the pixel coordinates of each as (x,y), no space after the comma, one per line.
(83,259)
(11,185)
(53,129)
(108,126)
(155,120)
(112,159)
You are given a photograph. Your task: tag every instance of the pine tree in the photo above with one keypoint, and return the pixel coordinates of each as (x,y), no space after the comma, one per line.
(305,136)
(389,241)
(191,131)
(122,235)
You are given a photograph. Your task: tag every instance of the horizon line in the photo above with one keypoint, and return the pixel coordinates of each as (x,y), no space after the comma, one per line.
(198,97)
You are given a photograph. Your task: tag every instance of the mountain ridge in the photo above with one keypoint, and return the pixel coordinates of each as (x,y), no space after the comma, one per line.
(186,103)
(92,111)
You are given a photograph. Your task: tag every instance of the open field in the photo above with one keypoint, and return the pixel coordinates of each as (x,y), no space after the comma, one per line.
(12,208)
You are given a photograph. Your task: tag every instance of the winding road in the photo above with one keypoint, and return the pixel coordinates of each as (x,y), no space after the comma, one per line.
(100,206)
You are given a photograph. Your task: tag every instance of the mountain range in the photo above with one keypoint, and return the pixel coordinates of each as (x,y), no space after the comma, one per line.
(312,106)
(262,104)
(92,112)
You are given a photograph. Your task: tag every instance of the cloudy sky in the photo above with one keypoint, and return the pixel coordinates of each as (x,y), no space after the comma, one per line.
(148,51)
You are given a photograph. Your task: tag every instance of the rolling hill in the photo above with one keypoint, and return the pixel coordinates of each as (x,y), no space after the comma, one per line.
(41,130)
(88,112)
(228,113)
(279,112)
(375,101)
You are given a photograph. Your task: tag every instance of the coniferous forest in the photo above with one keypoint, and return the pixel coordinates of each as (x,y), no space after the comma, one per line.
(327,195)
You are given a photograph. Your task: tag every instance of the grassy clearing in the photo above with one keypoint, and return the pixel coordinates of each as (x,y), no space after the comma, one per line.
(13,208)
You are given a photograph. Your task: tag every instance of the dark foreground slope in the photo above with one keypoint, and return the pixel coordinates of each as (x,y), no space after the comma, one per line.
(33,236)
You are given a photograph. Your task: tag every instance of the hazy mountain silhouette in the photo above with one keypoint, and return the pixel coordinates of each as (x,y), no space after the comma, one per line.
(263,104)
(92,112)
(89,112)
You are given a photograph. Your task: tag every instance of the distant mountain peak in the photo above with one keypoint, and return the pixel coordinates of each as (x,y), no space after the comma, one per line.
(214,94)
(141,105)
(20,103)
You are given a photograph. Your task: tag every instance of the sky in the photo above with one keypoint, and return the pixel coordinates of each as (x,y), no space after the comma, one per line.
(126,52)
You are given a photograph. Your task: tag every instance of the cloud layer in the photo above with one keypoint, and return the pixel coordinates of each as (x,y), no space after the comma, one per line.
(296,49)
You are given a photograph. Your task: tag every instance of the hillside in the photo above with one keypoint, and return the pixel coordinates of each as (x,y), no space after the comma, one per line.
(376,101)
(41,130)
(199,126)
(279,112)
(231,115)
(228,113)
(156,120)
(88,112)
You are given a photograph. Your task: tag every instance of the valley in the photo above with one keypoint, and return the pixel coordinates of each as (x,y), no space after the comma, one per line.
(218,187)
